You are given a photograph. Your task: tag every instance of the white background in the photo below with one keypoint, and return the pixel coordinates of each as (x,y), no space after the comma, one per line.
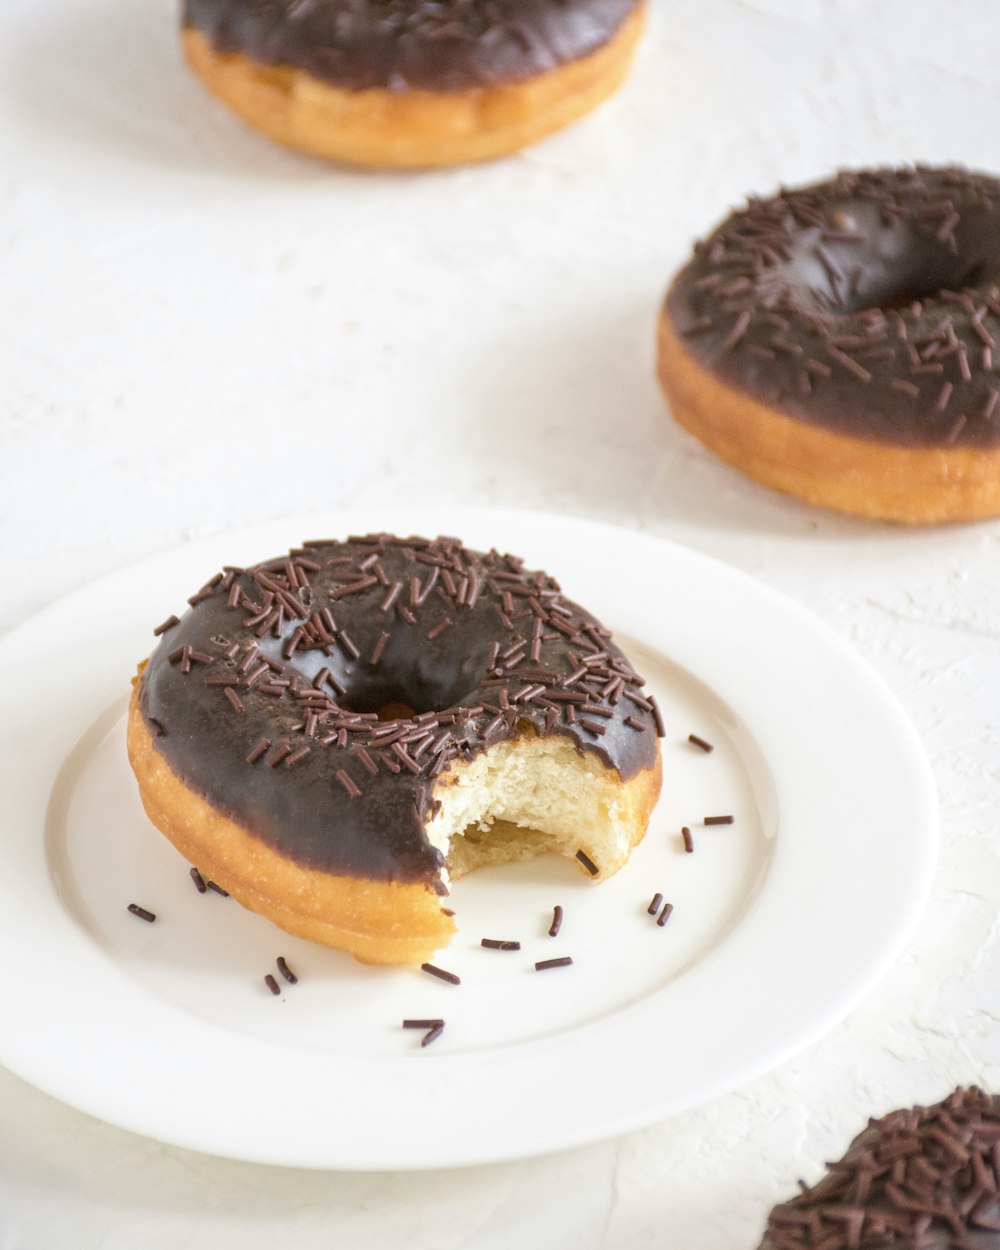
(199,330)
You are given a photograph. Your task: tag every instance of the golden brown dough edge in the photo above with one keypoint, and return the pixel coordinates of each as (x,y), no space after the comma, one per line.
(377,922)
(412,129)
(911,485)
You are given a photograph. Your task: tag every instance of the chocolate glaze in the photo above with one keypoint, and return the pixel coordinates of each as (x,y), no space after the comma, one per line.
(473,645)
(868,304)
(926,1179)
(432,45)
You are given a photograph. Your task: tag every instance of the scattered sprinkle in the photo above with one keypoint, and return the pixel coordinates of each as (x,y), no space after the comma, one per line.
(451,977)
(588,863)
(557,919)
(141,912)
(434,1029)
(563,961)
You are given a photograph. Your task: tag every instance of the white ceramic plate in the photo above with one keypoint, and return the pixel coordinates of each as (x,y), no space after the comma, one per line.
(782,920)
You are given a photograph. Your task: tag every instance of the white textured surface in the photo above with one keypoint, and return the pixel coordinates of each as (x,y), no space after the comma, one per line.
(198,330)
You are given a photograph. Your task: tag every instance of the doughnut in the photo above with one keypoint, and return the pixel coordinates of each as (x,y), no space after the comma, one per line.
(410,83)
(334,735)
(841,343)
(920,1179)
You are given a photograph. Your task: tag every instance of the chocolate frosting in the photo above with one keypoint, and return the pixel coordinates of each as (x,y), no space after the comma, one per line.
(921,1179)
(868,304)
(265,697)
(433,45)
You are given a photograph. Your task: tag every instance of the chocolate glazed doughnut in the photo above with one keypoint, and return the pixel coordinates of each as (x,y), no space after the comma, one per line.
(411,83)
(332,735)
(840,343)
(926,1176)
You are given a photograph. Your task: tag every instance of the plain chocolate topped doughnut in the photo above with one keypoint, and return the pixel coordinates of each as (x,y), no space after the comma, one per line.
(841,342)
(921,1179)
(332,734)
(411,82)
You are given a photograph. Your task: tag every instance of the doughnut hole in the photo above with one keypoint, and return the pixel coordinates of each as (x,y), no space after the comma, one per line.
(394,711)
(406,685)
(918,278)
(528,796)
(886,266)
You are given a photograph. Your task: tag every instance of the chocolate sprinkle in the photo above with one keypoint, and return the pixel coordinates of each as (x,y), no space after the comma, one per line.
(700,743)
(441,974)
(272,984)
(141,912)
(379,647)
(434,1029)
(499,944)
(217,888)
(718,820)
(927,1177)
(557,919)
(352,788)
(588,863)
(687,838)
(665,914)
(563,961)
(654,906)
(198,880)
(285,971)
(260,749)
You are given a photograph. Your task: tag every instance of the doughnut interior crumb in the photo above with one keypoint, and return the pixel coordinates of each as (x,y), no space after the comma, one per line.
(532,795)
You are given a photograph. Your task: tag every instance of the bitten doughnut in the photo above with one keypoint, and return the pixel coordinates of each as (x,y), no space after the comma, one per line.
(921,1179)
(411,83)
(842,343)
(334,734)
